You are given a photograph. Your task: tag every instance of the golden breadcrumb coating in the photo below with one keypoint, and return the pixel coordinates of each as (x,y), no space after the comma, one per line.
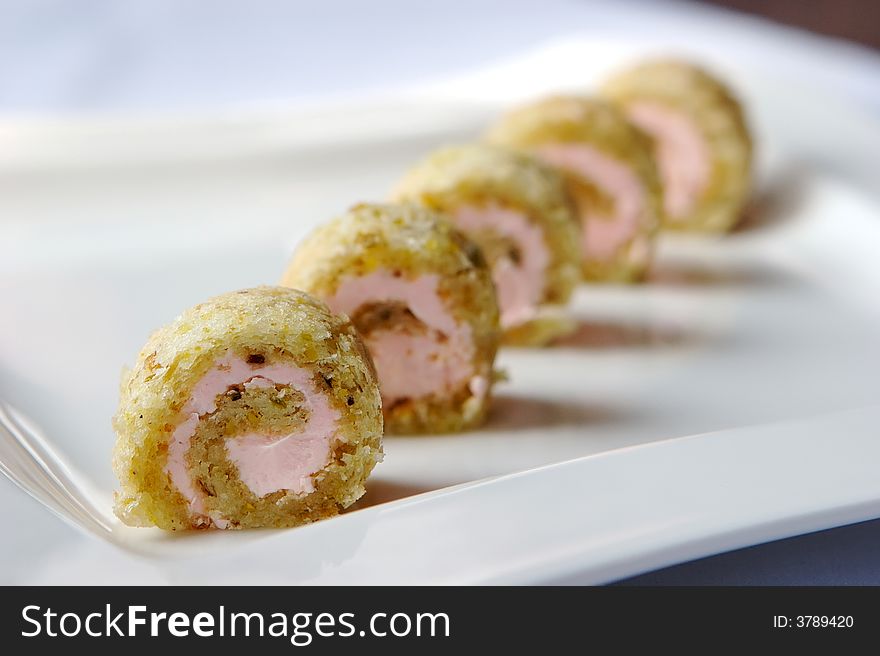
(597,124)
(271,325)
(483,175)
(712,107)
(409,240)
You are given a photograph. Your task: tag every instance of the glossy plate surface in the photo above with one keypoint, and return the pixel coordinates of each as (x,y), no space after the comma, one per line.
(727,402)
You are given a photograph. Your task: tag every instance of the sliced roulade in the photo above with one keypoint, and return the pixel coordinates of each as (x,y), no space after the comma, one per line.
(700,138)
(255,408)
(610,173)
(422,296)
(520,214)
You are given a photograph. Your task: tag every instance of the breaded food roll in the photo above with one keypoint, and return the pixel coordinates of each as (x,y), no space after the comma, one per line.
(255,408)
(610,173)
(700,137)
(422,296)
(518,211)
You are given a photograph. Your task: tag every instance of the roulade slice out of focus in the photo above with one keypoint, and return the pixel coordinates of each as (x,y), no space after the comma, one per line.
(610,172)
(258,408)
(422,296)
(520,214)
(700,139)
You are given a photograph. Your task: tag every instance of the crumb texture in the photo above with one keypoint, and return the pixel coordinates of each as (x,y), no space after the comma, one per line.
(600,126)
(486,176)
(705,101)
(267,328)
(408,242)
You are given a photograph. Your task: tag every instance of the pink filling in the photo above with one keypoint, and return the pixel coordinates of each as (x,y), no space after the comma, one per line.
(520,286)
(603,235)
(682,154)
(437,361)
(265,464)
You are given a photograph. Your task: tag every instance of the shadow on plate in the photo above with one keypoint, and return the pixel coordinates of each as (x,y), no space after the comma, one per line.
(605,335)
(379,491)
(510,414)
(776,203)
(689,274)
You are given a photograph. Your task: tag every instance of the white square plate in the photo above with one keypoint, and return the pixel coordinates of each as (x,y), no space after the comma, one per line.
(728,401)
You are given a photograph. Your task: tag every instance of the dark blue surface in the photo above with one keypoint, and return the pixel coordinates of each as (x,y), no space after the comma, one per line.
(849,555)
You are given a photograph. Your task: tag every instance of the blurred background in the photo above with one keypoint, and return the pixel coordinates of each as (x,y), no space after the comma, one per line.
(203,57)
(137,55)
(856,20)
